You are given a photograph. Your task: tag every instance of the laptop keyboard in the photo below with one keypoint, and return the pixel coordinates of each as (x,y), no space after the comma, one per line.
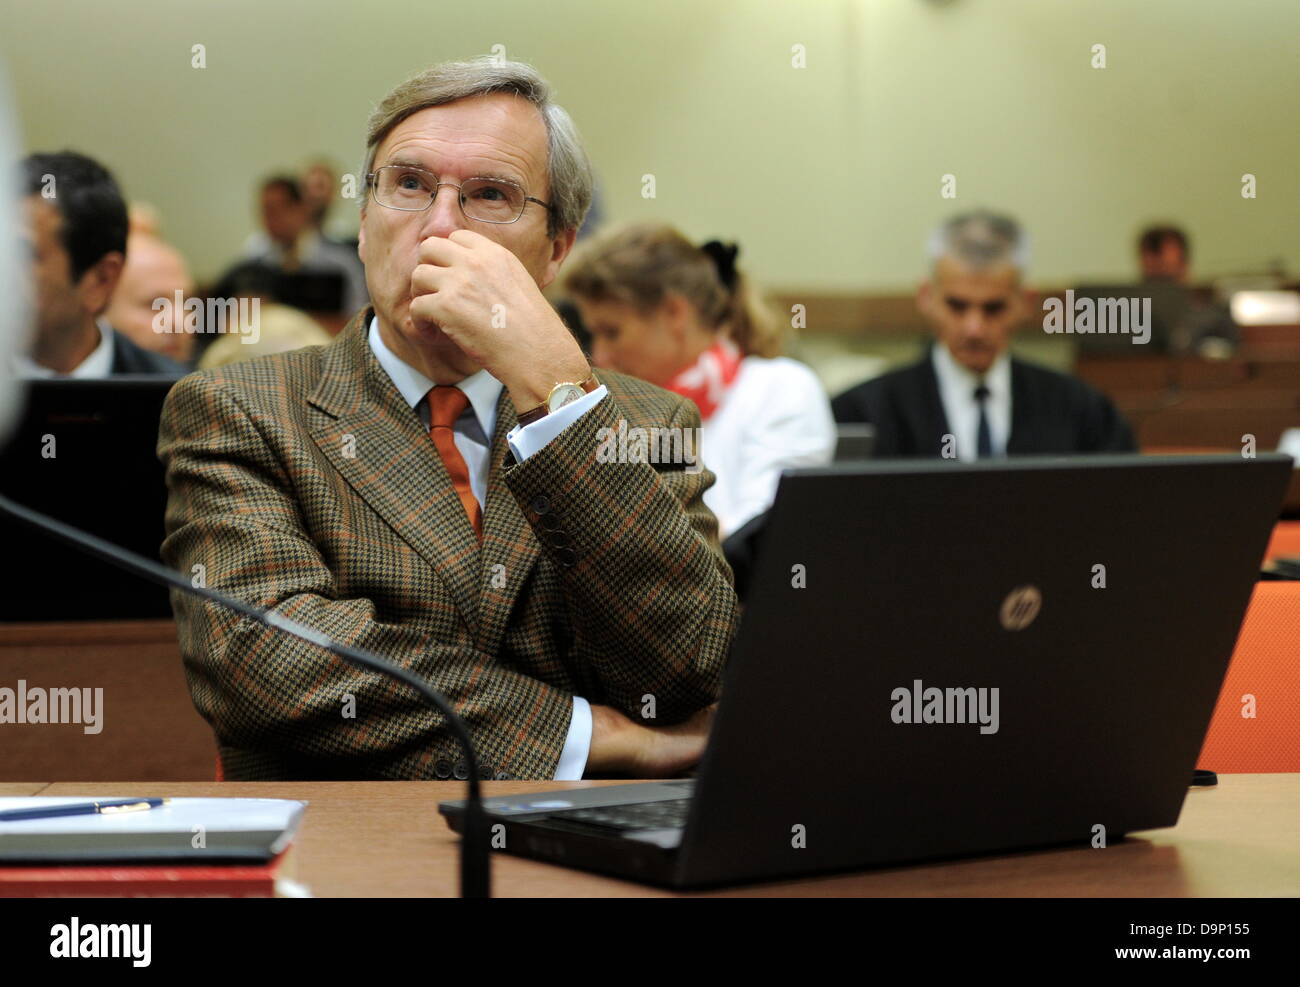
(669,814)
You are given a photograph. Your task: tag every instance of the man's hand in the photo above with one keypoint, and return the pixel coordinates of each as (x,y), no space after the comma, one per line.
(487,303)
(622,746)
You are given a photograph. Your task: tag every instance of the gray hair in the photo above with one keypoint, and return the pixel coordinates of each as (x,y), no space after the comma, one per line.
(981,240)
(568,169)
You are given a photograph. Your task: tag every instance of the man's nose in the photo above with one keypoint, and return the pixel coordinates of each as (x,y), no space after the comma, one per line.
(444,217)
(973,322)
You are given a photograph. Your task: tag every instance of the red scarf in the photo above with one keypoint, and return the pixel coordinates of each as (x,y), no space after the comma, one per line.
(707,380)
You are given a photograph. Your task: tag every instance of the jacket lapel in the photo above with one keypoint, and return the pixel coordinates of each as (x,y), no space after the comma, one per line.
(510,549)
(378,444)
(929,422)
(1023,418)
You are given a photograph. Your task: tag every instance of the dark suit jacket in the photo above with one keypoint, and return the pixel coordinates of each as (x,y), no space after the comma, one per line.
(304,483)
(1050,413)
(128,358)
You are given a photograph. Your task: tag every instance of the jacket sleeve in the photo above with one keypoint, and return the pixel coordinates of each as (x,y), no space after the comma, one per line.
(648,591)
(234,522)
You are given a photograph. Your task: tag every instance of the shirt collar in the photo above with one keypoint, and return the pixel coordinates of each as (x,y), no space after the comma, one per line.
(482,389)
(98,364)
(954,376)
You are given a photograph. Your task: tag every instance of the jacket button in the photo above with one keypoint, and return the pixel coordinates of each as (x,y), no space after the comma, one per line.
(559,539)
(566,556)
(460,771)
(485,772)
(541,504)
(442,768)
(502,776)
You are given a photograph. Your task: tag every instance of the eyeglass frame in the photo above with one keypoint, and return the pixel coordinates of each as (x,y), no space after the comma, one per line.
(373,184)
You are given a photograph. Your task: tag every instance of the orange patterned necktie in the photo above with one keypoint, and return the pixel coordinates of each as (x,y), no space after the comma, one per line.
(446,404)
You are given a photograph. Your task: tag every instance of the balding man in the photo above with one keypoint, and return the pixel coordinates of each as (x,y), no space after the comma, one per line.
(968,398)
(154,271)
(428,487)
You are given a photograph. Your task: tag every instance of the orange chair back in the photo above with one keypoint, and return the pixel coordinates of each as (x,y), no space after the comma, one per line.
(1285,540)
(1256,724)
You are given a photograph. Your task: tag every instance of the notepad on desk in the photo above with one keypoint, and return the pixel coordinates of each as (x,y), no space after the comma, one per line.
(184,830)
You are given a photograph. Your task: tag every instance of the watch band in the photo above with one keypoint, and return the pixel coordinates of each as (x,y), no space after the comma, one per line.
(542,410)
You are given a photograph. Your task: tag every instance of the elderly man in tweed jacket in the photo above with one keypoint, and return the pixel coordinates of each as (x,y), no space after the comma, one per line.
(576,611)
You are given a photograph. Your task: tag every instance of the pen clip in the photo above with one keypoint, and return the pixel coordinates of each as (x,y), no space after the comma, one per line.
(133,807)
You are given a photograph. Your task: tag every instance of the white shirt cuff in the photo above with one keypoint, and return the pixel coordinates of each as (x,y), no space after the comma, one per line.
(573,759)
(530,438)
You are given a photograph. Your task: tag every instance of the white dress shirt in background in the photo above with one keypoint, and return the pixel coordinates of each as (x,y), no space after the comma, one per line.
(957,393)
(774,416)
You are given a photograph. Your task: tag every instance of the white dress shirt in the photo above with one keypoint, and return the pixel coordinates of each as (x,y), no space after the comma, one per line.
(957,393)
(96,366)
(473,437)
(774,416)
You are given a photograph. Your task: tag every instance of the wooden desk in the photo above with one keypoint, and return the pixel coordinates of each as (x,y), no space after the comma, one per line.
(150,727)
(386,839)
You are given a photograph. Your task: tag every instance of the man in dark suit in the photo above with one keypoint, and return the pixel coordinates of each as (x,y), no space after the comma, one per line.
(968,398)
(429,487)
(75,227)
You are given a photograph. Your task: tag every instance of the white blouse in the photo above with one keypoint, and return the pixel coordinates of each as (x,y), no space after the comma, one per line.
(776,415)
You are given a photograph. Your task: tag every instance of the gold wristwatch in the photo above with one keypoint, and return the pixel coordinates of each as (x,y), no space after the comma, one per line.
(561,394)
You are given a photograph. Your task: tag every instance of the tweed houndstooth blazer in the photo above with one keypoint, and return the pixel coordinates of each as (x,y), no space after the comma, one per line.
(304,483)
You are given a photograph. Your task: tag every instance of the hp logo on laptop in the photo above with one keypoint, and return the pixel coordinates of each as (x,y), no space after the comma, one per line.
(1020,608)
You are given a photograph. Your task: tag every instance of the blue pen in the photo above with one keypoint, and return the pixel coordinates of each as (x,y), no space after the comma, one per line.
(112,807)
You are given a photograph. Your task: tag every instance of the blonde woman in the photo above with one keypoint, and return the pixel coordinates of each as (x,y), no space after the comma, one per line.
(684,317)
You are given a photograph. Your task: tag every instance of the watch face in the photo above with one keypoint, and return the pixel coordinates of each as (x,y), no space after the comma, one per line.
(566,394)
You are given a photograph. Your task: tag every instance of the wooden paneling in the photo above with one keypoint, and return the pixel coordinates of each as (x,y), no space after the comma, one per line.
(150,729)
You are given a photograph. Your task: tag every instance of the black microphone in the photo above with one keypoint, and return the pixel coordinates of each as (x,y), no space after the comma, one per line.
(475,875)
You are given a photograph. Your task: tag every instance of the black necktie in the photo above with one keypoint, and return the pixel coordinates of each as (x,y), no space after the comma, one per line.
(983,440)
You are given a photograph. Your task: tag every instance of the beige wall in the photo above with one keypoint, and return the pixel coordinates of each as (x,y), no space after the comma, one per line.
(828,175)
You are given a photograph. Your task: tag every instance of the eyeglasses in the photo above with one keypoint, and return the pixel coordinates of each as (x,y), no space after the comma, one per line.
(488,200)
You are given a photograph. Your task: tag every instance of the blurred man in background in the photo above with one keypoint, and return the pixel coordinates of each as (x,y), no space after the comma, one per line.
(319,190)
(154,270)
(294,245)
(75,228)
(290,262)
(1163,253)
(1187,321)
(968,398)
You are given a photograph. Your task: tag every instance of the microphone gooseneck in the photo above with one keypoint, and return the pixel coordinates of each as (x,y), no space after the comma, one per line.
(475,875)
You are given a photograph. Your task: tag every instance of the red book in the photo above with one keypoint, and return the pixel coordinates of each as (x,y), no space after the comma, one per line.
(139,881)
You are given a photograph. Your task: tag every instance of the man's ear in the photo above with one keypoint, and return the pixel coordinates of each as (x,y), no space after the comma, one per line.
(361,237)
(97,285)
(561,245)
(925,297)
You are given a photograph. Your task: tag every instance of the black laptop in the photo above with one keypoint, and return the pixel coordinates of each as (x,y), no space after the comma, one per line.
(941,659)
(84,452)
